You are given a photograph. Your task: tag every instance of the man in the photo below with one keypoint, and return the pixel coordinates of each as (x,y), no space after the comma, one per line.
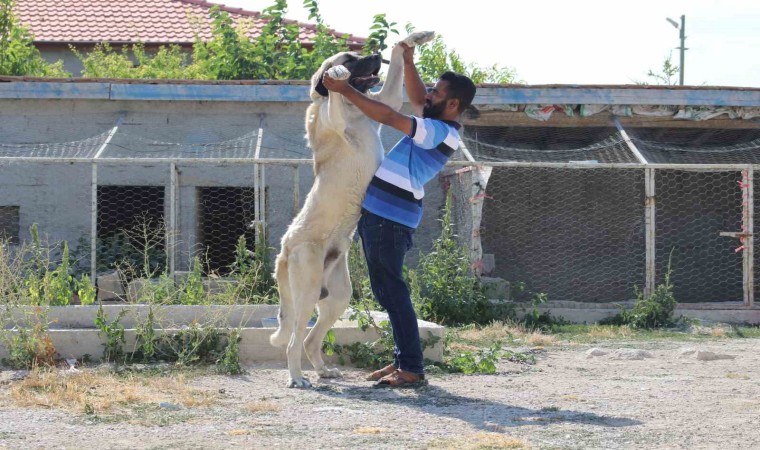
(392,206)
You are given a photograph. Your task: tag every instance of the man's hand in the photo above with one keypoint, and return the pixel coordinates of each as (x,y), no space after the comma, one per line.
(340,86)
(408,53)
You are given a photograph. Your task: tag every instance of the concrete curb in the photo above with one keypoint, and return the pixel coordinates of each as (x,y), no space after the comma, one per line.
(74,335)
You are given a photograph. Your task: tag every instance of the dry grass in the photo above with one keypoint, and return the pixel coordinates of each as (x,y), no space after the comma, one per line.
(241,432)
(101,391)
(370,430)
(501,331)
(263,407)
(481,440)
(610,332)
(737,376)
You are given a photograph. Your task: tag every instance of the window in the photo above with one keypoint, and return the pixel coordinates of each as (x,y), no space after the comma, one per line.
(131,224)
(225,213)
(9,224)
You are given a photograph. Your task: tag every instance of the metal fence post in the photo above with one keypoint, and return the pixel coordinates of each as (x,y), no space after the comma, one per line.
(748,242)
(257,184)
(650,229)
(171,232)
(94,224)
(296,191)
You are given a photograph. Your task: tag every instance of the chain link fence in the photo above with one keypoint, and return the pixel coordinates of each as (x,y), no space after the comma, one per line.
(570,212)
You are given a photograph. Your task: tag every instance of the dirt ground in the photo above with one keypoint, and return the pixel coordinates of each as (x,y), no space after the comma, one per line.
(566,400)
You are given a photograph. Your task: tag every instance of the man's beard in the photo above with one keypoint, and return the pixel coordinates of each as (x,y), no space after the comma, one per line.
(433,111)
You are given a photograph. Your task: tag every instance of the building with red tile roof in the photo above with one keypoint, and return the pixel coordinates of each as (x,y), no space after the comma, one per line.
(56,24)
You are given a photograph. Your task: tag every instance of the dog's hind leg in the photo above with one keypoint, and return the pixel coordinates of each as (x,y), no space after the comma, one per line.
(285,315)
(305,274)
(330,309)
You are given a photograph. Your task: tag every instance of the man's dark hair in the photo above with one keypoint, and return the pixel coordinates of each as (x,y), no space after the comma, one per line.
(460,87)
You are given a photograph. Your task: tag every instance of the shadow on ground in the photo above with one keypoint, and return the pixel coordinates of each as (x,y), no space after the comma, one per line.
(480,413)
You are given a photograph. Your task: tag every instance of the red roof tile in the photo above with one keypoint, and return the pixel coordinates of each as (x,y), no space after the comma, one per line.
(148,21)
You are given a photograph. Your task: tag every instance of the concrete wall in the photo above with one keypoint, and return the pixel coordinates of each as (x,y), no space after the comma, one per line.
(57,196)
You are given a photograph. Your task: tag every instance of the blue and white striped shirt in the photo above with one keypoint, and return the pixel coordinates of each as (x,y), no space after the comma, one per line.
(397,189)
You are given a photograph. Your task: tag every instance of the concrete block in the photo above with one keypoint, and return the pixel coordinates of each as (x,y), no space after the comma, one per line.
(136,288)
(489,262)
(110,286)
(495,288)
(210,285)
(254,347)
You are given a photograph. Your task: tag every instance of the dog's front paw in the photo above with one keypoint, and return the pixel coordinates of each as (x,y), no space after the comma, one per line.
(299,383)
(418,38)
(339,72)
(324,372)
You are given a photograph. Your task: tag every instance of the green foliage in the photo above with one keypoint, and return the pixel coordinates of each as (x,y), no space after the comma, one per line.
(434,58)
(481,361)
(443,287)
(371,355)
(252,272)
(668,75)
(192,345)
(276,54)
(170,62)
(146,339)
(85,290)
(192,291)
(649,312)
(47,281)
(29,345)
(229,363)
(325,43)
(361,289)
(535,319)
(379,31)
(113,332)
(18,56)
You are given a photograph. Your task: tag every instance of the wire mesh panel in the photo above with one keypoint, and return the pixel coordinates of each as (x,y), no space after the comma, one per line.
(225,214)
(151,135)
(693,208)
(690,146)
(574,234)
(131,230)
(756,222)
(544,144)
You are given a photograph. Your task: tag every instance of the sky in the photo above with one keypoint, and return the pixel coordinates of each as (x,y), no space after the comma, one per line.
(571,42)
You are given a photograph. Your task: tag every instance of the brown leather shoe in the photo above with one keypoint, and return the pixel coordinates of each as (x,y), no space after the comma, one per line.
(378,374)
(400,379)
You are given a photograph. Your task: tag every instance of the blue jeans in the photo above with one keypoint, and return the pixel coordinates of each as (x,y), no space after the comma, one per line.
(385,244)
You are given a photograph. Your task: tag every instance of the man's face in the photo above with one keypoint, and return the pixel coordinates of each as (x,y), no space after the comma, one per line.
(435,100)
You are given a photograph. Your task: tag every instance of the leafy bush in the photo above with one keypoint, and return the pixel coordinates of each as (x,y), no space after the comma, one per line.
(444,288)
(253,273)
(653,311)
(434,58)
(18,55)
(28,346)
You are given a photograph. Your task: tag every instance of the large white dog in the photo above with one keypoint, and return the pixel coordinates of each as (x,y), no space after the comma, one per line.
(312,267)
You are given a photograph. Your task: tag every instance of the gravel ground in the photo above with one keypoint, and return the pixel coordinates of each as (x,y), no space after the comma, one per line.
(568,399)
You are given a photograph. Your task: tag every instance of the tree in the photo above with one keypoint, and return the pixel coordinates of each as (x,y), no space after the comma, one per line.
(434,58)
(18,56)
(668,76)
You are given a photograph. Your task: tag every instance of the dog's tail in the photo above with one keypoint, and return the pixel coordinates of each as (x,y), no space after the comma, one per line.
(285,316)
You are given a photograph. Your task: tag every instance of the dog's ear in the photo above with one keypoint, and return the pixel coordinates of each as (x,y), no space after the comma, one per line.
(320,86)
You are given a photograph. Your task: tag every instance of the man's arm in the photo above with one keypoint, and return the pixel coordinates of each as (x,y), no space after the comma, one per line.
(415,88)
(375,110)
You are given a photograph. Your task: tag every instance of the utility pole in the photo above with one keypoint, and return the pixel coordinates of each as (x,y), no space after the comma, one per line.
(682,48)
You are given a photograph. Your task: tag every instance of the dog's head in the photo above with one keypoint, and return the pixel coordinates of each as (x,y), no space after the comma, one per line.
(364,70)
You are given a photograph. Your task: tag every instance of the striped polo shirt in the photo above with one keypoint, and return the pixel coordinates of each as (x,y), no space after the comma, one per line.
(396,190)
